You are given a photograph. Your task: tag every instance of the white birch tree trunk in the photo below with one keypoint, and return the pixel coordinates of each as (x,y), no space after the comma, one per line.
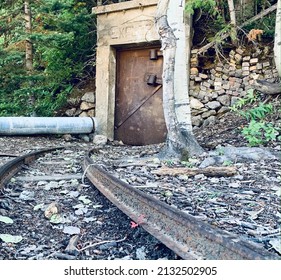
(180,144)
(233,32)
(277,39)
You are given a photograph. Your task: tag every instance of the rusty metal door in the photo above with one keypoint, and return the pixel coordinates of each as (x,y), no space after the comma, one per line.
(139,118)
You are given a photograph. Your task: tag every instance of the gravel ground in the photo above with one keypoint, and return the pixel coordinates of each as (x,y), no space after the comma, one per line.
(247,204)
(103,231)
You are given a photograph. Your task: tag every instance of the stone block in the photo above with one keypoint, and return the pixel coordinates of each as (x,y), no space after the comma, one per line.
(245,64)
(203,76)
(70,112)
(240,51)
(254,61)
(198,79)
(224,100)
(86,105)
(266,64)
(206,84)
(89,97)
(194,71)
(226,86)
(223,110)
(209,113)
(213,105)
(195,104)
(245,73)
(238,57)
(214,95)
(210,121)
(220,92)
(246,58)
(234,99)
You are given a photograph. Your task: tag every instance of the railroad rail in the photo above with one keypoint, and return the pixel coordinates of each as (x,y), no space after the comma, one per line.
(8,170)
(187,236)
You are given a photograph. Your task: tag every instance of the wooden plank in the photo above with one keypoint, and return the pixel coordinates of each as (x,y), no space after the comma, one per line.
(49,177)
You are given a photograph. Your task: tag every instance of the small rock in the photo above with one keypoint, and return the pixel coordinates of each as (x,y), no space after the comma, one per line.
(100,140)
(27,195)
(51,209)
(89,97)
(213,105)
(195,104)
(140,253)
(67,137)
(71,230)
(86,105)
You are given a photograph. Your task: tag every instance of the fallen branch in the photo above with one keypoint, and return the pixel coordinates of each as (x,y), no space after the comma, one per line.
(209,171)
(267,87)
(226,35)
(100,243)
(71,247)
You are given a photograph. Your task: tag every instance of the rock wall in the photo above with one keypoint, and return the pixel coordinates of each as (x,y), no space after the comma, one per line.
(216,85)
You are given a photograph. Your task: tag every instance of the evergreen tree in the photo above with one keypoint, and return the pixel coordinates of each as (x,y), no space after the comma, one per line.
(62,38)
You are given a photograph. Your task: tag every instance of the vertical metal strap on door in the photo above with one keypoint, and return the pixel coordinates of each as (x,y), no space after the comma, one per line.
(134,109)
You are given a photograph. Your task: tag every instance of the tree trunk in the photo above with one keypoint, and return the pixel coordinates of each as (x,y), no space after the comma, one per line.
(267,87)
(233,32)
(28,44)
(277,40)
(244,9)
(179,143)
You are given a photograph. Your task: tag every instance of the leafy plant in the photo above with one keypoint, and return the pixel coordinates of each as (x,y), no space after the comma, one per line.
(63,38)
(259,130)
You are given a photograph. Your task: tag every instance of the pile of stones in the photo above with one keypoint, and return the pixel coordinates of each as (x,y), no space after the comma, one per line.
(81,106)
(217,85)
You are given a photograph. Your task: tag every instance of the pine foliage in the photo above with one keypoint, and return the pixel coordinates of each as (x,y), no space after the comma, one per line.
(63,38)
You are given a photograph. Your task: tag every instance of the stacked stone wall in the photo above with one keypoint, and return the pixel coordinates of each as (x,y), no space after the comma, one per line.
(217,85)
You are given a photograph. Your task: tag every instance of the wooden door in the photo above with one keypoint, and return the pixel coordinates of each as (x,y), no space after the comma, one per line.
(139,118)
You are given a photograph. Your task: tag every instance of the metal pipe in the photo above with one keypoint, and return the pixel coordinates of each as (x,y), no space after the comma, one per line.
(46,125)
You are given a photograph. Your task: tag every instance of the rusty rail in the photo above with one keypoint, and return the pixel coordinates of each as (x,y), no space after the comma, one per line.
(182,233)
(8,170)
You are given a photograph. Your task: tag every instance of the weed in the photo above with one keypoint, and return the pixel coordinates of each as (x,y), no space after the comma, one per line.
(259,130)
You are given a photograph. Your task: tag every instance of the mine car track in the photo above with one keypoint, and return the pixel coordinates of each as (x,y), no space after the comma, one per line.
(182,233)
(8,170)
(187,236)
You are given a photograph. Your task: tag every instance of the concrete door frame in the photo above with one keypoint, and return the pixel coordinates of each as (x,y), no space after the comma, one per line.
(128,24)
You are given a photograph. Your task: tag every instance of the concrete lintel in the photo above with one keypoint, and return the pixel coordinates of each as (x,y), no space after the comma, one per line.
(123,6)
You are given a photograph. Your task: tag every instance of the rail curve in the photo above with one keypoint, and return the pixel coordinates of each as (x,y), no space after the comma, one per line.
(8,170)
(185,235)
